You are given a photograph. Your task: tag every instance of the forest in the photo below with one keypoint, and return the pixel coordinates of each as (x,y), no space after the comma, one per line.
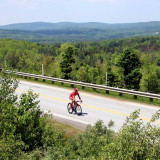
(132,63)
(51,33)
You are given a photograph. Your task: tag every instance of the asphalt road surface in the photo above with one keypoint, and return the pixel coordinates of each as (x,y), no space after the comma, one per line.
(94,108)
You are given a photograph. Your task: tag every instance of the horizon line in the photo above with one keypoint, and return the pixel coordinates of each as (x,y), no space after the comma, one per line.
(78,22)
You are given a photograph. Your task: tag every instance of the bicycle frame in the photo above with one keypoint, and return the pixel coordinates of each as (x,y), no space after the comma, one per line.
(76,103)
(77,109)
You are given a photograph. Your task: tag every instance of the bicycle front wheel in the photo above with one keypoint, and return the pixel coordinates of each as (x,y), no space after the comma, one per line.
(79,110)
(69,108)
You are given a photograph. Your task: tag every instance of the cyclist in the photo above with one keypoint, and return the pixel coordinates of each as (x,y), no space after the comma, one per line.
(72,96)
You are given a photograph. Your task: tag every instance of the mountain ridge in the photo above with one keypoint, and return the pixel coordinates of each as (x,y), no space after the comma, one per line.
(45,32)
(32,26)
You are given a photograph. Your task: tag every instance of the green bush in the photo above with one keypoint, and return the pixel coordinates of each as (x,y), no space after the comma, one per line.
(134,141)
(23,126)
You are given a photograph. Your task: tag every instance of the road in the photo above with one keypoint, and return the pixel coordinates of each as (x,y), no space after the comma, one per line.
(94,107)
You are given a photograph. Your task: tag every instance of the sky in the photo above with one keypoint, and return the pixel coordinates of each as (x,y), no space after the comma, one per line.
(106,11)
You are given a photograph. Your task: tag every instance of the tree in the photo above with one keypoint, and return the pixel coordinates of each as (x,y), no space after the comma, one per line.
(23,127)
(150,72)
(10,144)
(47,61)
(112,79)
(82,74)
(130,67)
(92,74)
(66,63)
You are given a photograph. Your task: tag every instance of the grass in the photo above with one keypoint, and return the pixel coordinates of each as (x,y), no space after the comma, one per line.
(68,130)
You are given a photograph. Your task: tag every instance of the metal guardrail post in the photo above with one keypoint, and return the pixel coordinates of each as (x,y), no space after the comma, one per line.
(135,96)
(151,99)
(107,92)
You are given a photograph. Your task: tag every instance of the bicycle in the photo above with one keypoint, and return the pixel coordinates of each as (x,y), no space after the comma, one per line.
(77,108)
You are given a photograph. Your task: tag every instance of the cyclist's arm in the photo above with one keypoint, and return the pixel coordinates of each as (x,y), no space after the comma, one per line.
(79,97)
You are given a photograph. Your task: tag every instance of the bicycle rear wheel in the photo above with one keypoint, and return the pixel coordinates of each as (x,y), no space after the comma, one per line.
(70,108)
(79,110)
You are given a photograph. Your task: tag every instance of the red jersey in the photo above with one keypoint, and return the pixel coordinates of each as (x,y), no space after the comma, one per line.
(73,94)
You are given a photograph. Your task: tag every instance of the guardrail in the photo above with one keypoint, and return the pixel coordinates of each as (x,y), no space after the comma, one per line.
(121,91)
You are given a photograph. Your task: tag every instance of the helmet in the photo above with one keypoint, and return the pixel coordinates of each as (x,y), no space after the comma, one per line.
(76,89)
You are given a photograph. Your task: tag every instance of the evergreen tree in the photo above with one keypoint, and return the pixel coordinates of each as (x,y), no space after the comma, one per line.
(130,66)
(66,63)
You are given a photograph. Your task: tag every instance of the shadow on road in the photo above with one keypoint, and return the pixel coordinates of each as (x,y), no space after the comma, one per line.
(82,114)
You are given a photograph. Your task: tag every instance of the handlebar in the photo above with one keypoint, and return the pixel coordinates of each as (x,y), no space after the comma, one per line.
(79,101)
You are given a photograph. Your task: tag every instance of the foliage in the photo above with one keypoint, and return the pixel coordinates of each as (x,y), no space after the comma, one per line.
(135,140)
(130,64)
(23,126)
(66,63)
(82,74)
(112,79)
(89,61)
(150,71)
(10,144)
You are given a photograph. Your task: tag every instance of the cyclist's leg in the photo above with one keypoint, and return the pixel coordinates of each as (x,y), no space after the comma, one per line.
(73,102)
(71,98)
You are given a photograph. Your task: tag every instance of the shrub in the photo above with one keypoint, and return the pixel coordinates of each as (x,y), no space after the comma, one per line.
(23,125)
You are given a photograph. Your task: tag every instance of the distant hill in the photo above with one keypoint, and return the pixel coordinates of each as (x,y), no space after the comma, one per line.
(70,25)
(43,32)
(52,26)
